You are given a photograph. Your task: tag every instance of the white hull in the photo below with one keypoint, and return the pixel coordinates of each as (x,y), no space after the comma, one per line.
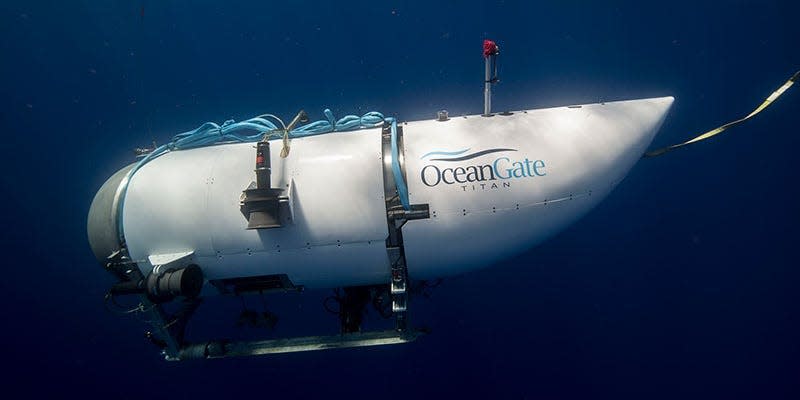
(568,160)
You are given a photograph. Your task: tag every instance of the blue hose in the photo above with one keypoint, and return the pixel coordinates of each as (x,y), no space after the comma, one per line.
(255,129)
(371,119)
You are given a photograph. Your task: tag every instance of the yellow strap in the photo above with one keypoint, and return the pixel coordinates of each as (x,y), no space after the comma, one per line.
(716,131)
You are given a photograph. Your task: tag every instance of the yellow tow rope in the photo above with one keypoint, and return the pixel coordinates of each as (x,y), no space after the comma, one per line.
(718,130)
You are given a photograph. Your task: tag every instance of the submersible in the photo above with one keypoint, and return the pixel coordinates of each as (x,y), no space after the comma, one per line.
(366,204)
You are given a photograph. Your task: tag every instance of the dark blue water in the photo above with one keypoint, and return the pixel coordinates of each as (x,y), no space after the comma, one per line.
(682,284)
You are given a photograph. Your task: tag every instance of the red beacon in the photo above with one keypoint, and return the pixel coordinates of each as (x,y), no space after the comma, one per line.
(490,48)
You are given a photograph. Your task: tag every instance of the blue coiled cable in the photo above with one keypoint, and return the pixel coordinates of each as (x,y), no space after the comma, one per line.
(255,129)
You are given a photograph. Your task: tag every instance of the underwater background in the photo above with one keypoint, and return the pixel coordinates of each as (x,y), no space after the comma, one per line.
(683,283)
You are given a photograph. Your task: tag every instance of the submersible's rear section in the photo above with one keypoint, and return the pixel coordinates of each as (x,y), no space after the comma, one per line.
(328,216)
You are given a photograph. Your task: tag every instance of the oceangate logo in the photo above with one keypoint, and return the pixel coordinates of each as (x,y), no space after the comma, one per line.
(478,176)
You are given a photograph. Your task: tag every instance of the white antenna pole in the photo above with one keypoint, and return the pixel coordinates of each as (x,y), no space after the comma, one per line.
(487,88)
(490,51)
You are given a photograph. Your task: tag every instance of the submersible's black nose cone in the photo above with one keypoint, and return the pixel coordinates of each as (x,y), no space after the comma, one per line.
(102,222)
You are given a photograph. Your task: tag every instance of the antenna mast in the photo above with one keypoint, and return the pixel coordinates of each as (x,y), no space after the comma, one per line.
(490,52)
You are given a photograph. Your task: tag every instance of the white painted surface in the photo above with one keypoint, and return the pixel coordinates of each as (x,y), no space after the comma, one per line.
(584,151)
(189,200)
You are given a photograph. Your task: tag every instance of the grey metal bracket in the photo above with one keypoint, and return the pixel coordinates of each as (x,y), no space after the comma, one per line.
(396,217)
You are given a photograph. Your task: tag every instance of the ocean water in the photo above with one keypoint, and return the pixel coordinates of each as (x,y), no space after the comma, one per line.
(683,283)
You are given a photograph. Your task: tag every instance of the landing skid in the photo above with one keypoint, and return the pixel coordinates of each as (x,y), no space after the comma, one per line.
(171,271)
(222,349)
(352,301)
(168,329)
(168,333)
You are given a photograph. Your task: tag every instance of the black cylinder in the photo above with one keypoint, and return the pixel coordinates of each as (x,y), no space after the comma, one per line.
(165,286)
(263,166)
